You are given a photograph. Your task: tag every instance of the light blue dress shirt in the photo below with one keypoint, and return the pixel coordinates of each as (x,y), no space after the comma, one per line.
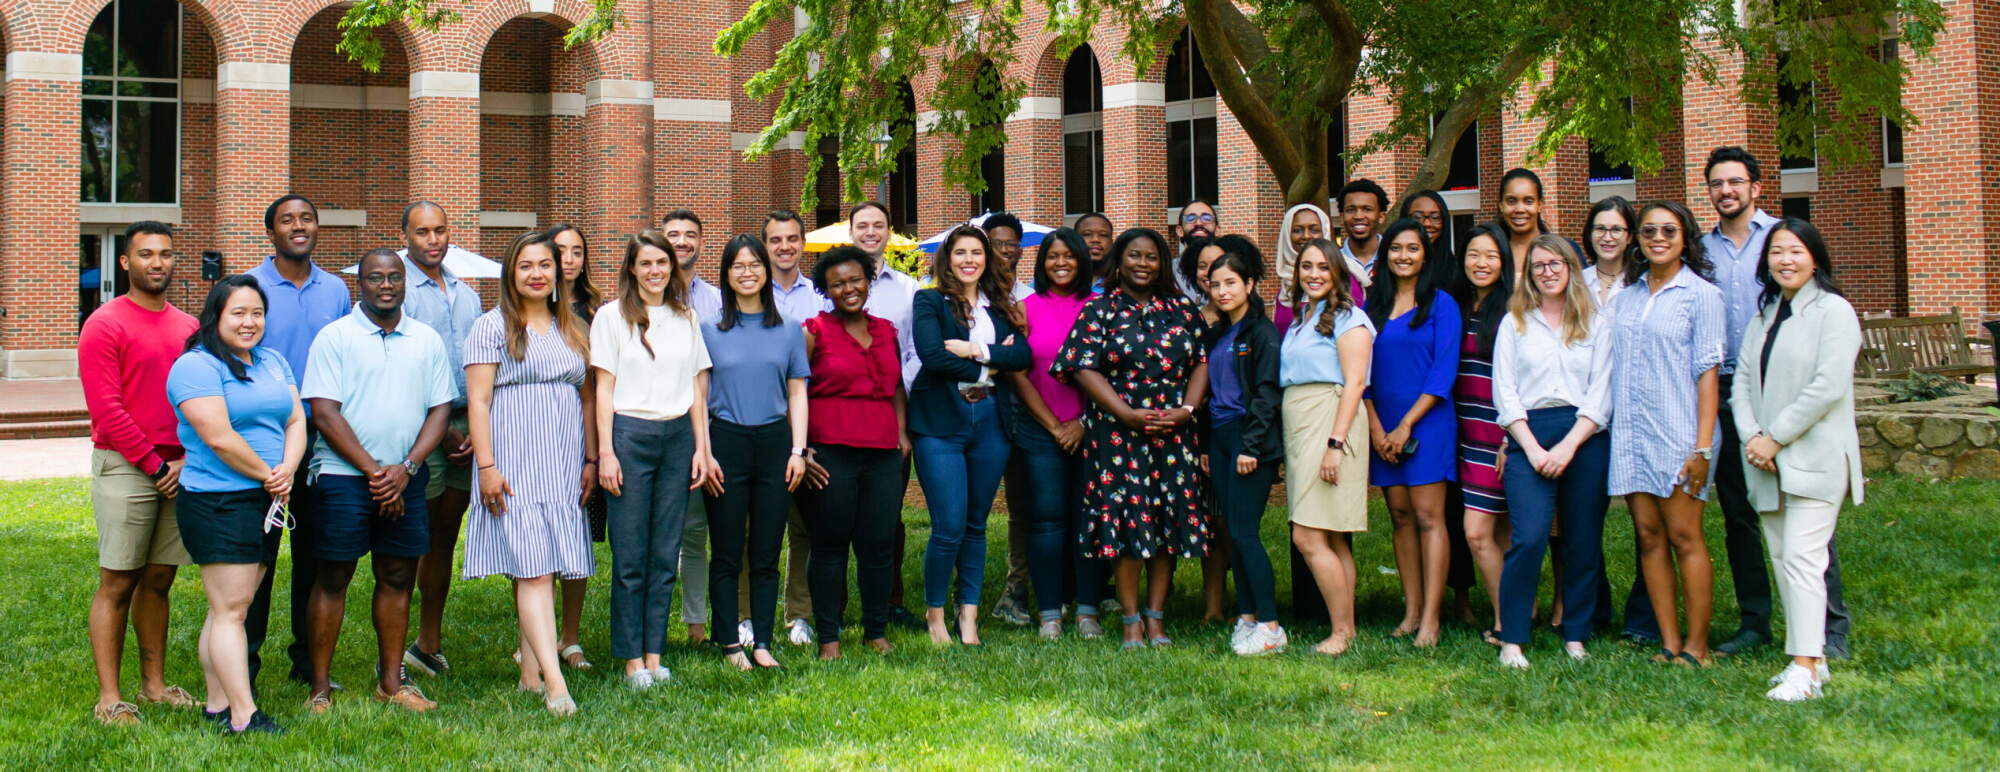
(1736,276)
(450,308)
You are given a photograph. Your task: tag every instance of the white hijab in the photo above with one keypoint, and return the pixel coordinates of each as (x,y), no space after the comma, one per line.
(1288,257)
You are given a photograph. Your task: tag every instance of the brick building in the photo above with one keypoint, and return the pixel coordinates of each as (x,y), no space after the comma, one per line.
(200,113)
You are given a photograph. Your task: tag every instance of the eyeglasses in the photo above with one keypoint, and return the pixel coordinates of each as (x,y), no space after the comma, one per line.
(379,278)
(1659,231)
(1614,231)
(279,516)
(1424,217)
(1732,182)
(1550,267)
(1195,217)
(1000,244)
(746,267)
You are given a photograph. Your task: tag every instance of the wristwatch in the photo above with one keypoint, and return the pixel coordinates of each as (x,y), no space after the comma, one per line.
(800,452)
(161,473)
(409,467)
(1336,443)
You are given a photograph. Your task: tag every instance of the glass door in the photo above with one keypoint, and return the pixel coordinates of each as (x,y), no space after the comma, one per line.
(99,277)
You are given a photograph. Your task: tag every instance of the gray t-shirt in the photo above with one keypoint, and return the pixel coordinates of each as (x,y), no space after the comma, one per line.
(751,363)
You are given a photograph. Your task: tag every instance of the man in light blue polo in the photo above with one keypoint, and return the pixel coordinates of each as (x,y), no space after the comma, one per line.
(380,387)
(302,298)
(439,298)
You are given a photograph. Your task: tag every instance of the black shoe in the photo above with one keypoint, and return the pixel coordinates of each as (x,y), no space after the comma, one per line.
(901,617)
(1744,641)
(304,679)
(1836,651)
(430,664)
(260,723)
(1639,639)
(220,719)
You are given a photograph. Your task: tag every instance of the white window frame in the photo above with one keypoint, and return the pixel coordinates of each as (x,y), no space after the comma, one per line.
(1091,124)
(180,89)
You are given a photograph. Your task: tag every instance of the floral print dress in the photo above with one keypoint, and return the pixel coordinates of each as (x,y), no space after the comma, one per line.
(1143,494)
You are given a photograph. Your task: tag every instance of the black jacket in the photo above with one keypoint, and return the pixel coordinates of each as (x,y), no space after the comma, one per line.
(1255,357)
(934,399)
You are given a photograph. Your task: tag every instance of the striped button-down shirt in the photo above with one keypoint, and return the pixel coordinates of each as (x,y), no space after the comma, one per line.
(1736,276)
(1664,341)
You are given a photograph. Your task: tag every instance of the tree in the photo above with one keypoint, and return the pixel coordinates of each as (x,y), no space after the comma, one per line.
(1285,67)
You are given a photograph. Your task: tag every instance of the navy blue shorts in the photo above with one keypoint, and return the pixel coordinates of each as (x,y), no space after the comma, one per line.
(350,527)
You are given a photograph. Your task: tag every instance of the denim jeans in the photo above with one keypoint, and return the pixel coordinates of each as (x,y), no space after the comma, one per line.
(858,509)
(645,528)
(1533,504)
(750,511)
(1242,499)
(1053,508)
(960,474)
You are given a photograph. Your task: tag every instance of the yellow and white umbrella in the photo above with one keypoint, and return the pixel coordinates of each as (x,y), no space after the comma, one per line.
(836,235)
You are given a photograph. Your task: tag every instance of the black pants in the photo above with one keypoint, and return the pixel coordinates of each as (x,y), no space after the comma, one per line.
(857,510)
(1242,499)
(1743,537)
(753,504)
(305,571)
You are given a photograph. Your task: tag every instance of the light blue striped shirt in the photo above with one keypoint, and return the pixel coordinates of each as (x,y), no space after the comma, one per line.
(1736,276)
(1664,341)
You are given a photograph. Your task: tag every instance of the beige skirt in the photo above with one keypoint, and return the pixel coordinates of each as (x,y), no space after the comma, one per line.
(1309,412)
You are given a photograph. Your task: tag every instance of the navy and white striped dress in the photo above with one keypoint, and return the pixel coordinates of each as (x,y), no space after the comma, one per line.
(1664,342)
(538,446)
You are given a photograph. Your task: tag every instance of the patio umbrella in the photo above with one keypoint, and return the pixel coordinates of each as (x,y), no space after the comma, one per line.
(463,262)
(836,235)
(1031,234)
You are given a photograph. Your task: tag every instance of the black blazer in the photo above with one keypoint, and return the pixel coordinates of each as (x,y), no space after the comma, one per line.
(934,400)
(1255,357)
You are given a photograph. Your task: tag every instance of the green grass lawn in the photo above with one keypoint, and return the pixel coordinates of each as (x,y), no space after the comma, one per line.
(1920,561)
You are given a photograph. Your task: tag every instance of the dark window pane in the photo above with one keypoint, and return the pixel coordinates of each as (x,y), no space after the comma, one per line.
(147,143)
(1187,76)
(1799,206)
(993,170)
(1336,143)
(1083,90)
(97,58)
(98,87)
(1892,134)
(1463,174)
(1083,171)
(1180,162)
(148,88)
(1602,170)
(1461,230)
(96,151)
(148,38)
(1205,174)
(1794,97)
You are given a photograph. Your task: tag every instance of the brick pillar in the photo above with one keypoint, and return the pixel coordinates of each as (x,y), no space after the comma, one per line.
(1952,193)
(1035,184)
(253,159)
(618,117)
(1713,116)
(1251,201)
(1135,153)
(1669,183)
(39,197)
(1391,168)
(939,202)
(444,165)
(1565,174)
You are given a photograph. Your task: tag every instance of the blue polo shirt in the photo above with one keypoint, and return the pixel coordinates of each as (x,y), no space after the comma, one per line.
(386,384)
(295,313)
(258,411)
(449,307)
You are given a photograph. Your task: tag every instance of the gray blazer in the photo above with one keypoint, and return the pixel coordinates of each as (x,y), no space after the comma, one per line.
(1807,402)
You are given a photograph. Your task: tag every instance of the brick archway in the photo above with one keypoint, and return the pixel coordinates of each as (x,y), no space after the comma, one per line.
(349,139)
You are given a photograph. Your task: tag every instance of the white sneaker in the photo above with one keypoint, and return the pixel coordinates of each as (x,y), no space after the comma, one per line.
(641,679)
(1820,674)
(1576,651)
(745,633)
(1261,640)
(1511,656)
(1795,684)
(799,632)
(661,675)
(1241,632)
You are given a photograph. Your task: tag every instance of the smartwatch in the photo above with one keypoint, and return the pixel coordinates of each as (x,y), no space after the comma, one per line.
(161,473)
(1336,443)
(800,452)
(1706,454)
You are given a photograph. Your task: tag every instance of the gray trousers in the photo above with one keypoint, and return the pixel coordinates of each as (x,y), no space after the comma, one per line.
(645,529)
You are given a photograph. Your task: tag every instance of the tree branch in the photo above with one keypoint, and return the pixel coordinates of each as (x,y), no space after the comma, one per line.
(1472,101)
(1253,112)
(1247,46)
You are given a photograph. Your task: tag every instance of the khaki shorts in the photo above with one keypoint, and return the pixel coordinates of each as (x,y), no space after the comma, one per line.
(443,474)
(135,524)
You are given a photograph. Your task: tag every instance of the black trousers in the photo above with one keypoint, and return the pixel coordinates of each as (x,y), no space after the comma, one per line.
(858,510)
(305,571)
(752,506)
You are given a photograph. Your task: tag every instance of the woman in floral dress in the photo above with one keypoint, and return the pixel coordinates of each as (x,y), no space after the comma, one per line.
(1136,353)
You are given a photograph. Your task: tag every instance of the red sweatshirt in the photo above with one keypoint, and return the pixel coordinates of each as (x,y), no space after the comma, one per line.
(122,357)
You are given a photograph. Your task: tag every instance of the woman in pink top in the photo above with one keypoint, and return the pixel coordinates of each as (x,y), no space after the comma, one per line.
(1047,431)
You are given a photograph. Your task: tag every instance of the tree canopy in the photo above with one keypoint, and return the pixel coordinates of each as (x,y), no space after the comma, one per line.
(1607,71)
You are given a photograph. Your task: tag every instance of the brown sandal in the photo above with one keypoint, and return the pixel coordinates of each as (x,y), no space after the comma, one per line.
(172,697)
(120,713)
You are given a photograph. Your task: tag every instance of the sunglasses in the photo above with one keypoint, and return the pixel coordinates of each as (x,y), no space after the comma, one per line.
(279,516)
(1659,231)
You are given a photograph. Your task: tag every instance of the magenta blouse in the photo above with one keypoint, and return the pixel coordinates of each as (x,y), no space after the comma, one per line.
(1050,317)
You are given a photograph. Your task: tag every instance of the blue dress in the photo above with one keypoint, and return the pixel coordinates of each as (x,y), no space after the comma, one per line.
(1408,364)
(1664,342)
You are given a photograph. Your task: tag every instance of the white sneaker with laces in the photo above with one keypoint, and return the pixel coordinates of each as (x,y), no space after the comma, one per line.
(1795,684)
(745,632)
(1240,633)
(799,632)
(1261,640)
(1820,674)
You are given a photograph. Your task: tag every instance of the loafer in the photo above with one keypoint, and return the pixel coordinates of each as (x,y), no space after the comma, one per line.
(1745,640)
(407,697)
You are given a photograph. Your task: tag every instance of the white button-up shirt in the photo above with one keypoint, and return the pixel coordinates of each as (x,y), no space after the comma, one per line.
(1533,369)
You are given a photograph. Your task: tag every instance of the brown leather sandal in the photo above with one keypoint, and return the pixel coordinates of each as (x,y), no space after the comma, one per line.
(120,713)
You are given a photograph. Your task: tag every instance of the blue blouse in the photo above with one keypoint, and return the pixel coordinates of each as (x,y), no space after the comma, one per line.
(1309,357)
(258,411)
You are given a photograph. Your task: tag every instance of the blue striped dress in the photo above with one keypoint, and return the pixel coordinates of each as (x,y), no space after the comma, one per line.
(1664,342)
(538,446)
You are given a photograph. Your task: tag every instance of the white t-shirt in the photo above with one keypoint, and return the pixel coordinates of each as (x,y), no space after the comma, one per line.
(659,387)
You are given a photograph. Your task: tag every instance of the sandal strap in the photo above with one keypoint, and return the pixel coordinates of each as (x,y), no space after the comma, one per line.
(1153,613)
(1130,619)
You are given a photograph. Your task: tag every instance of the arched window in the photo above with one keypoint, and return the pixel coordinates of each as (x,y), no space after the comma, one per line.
(1191,164)
(1083,133)
(992,167)
(131,104)
(900,192)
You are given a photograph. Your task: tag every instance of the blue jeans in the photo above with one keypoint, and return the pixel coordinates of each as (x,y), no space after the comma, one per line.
(960,474)
(1242,499)
(1053,509)
(1533,504)
(645,528)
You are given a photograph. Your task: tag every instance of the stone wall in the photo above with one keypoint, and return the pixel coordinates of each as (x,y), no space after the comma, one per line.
(1951,437)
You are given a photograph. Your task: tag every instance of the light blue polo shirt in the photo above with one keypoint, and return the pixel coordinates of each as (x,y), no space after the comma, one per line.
(386,384)
(258,410)
(294,314)
(449,308)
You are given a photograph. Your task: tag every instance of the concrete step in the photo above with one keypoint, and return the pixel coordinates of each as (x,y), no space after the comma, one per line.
(41,430)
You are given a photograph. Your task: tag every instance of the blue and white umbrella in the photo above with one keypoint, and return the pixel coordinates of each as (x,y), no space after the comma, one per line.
(1031,234)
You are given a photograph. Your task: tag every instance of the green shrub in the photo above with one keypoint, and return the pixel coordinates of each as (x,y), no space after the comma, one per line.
(1922,387)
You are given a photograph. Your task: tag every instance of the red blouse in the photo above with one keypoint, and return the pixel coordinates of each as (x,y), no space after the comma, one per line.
(849,395)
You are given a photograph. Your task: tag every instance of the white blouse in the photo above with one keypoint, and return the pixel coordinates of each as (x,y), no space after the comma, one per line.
(1534,369)
(659,387)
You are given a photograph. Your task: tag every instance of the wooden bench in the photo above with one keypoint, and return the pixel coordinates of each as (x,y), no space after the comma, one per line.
(1895,347)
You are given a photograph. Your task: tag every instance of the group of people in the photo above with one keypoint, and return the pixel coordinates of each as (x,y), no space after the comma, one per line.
(1136,396)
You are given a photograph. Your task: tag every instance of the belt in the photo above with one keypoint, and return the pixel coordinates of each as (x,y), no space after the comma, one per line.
(975,393)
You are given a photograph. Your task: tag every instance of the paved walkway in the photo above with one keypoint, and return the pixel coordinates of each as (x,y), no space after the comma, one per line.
(39,459)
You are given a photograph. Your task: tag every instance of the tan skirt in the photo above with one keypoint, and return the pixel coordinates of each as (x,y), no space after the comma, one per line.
(1309,413)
